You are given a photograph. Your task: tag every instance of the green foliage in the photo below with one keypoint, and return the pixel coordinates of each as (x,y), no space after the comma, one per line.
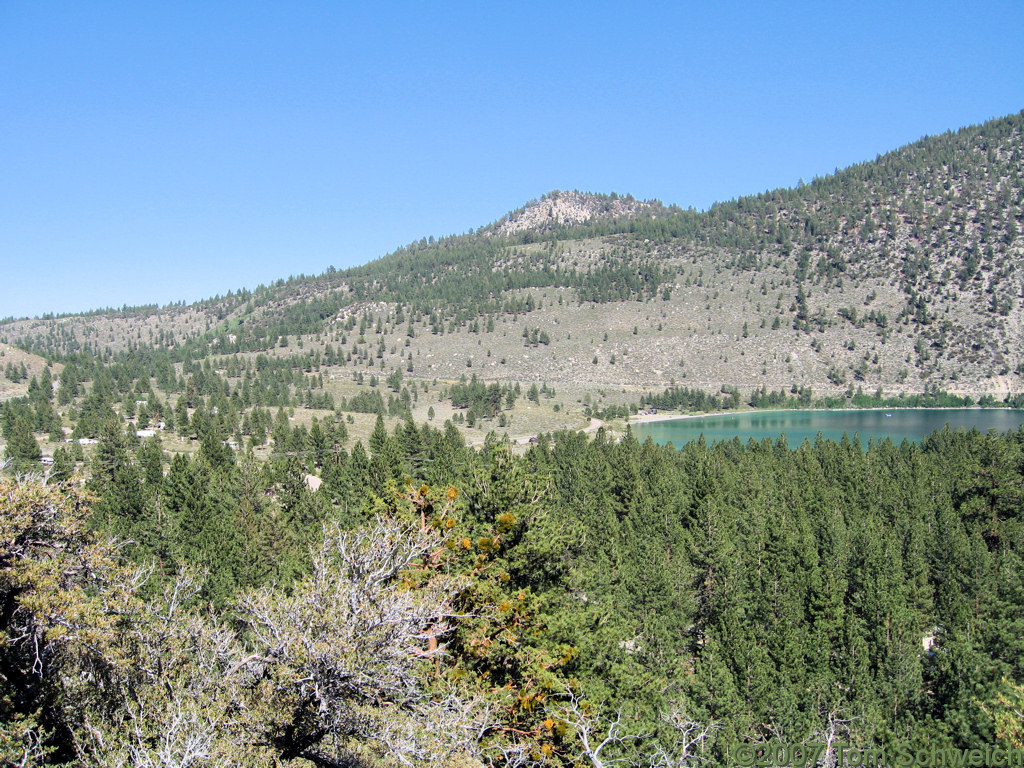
(329,673)
(684,398)
(22,449)
(482,398)
(743,590)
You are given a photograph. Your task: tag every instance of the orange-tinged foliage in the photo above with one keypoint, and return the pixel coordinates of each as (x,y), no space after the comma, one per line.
(63,596)
(49,564)
(505,520)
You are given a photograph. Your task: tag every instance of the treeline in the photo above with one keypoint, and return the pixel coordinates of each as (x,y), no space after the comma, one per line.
(266,380)
(684,398)
(729,398)
(801,397)
(674,398)
(15,373)
(484,397)
(206,403)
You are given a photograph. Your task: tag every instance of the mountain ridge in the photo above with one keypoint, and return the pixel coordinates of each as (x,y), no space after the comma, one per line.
(901,273)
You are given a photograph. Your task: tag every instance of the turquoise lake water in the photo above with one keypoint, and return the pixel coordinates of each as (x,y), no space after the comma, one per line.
(896,424)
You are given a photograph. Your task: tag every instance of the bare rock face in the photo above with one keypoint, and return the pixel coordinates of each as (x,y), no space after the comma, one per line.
(568,209)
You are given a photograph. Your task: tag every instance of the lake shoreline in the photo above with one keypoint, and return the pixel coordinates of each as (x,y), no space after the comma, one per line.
(799,424)
(656,417)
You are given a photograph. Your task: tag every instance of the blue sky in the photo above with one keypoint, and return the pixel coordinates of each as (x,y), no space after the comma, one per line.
(153,152)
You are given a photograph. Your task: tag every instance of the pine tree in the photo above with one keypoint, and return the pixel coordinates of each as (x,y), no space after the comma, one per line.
(22,449)
(122,508)
(63,465)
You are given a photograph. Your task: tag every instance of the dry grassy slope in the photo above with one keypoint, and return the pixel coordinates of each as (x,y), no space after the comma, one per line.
(695,338)
(114,331)
(167,326)
(33,364)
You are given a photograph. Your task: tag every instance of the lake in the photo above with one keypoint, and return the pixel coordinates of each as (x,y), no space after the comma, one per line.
(896,424)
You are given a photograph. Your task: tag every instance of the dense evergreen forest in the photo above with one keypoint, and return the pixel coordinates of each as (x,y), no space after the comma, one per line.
(431,601)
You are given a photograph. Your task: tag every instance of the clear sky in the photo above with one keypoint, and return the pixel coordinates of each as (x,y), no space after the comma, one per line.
(157,151)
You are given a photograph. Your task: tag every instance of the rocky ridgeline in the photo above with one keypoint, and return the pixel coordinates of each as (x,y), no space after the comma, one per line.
(568,209)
